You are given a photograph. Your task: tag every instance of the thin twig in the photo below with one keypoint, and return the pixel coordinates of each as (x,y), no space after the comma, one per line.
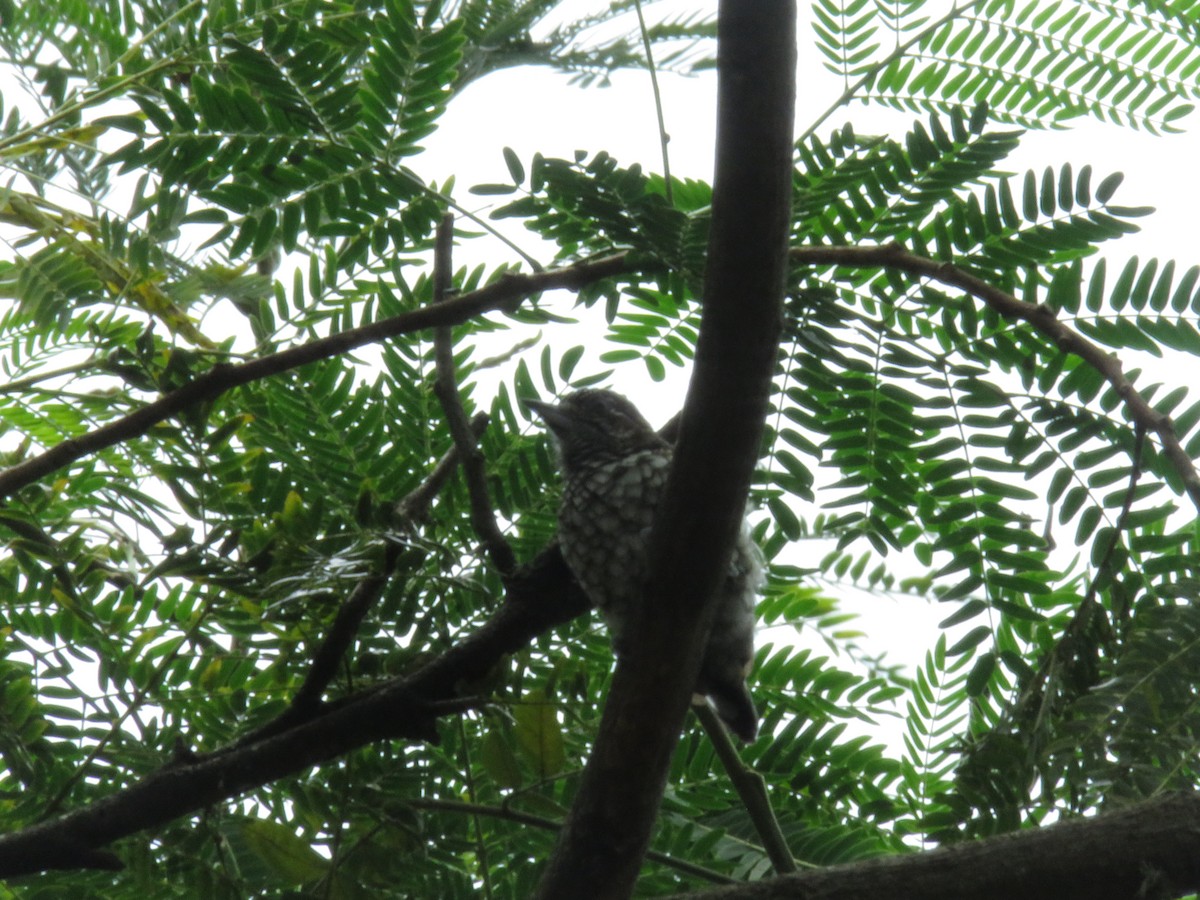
(752,790)
(483,517)
(34,380)
(413,508)
(663,137)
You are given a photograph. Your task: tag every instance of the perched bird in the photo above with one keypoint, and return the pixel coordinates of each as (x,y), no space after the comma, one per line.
(614,470)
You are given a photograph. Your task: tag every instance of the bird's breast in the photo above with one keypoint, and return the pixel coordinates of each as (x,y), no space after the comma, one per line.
(604,522)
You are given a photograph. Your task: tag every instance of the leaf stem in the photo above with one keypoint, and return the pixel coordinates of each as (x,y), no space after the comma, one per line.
(663,137)
(849,93)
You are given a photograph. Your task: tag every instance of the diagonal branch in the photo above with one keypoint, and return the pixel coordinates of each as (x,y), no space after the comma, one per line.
(341,633)
(504,294)
(542,596)
(413,507)
(751,789)
(1041,317)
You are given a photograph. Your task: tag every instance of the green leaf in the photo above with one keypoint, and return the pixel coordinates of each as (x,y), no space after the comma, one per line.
(492,189)
(970,640)
(499,761)
(515,168)
(539,734)
(980,674)
(1108,187)
(289,857)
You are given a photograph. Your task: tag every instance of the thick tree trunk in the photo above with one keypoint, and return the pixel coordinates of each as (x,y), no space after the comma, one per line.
(609,826)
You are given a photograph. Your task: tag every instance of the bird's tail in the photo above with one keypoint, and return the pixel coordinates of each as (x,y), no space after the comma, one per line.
(735,706)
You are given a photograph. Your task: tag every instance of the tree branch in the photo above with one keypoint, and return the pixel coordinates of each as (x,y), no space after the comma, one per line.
(506,293)
(330,653)
(1109,857)
(509,291)
(414,506)
(341,633)
(1043,319)
(751,789)
(483,518)
(608,827)
(540,597)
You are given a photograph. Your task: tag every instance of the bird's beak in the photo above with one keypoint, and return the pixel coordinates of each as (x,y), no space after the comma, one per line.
(554,417)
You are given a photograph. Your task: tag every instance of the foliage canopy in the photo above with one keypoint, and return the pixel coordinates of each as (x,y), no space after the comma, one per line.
(203,185)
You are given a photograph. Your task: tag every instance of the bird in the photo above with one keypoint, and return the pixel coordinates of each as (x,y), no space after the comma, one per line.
(614,468)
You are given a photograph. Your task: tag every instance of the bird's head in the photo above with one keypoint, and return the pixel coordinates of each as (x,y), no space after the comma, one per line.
(592,426)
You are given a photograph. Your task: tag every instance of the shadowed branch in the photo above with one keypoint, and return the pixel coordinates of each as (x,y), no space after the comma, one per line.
(483,517)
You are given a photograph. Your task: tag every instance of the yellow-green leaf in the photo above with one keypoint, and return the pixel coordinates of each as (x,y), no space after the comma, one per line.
(285,853)
(499,760)
(538,733)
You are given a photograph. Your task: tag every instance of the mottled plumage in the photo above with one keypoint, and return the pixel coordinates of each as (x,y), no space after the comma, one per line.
(614,472)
